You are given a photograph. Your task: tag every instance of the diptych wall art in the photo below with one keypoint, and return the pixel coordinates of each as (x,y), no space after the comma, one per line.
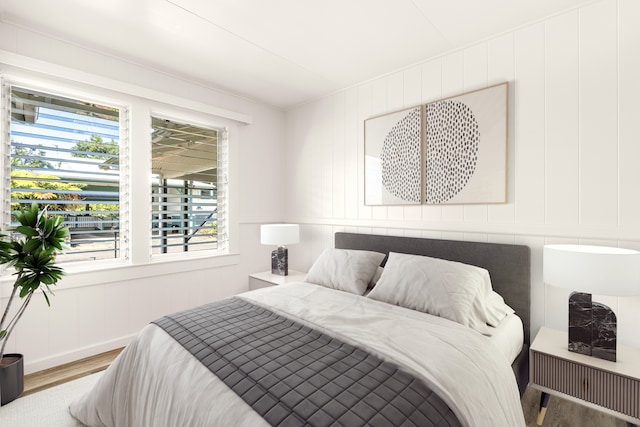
(450,151)
(393,145)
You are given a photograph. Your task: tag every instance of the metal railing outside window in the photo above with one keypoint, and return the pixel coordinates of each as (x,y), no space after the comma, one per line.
(185,184)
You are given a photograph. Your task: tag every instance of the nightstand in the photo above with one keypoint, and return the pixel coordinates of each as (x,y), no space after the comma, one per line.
(266,278)
(611,387)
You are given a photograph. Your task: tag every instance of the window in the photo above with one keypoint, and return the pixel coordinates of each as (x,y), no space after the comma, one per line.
(70,155)
(187,189)
(65,155)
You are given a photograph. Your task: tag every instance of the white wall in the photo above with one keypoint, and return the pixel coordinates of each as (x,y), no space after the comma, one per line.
(98,312)
(574,148)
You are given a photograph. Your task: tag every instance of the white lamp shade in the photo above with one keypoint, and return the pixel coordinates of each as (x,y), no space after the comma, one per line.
(593,269)
(279,234)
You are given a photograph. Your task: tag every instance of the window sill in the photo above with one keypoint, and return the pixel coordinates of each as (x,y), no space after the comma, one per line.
(87,274)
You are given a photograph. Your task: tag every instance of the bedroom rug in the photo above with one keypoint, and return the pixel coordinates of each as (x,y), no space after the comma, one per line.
(48,408)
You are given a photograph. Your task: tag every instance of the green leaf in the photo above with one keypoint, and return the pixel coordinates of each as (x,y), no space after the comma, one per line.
(49,289)
(47,298)
(19,283)
(3,333)
(58,220)
(62,233)
(29,217)
(47,279)
(43,257)
(47,228)
(56,276)
(31,245)
(25,291)
(27,231)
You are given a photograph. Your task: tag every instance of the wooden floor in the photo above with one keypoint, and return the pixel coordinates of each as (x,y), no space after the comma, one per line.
(42,380)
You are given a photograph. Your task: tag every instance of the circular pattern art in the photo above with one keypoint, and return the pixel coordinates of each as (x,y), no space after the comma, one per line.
(400,158)
(452,138)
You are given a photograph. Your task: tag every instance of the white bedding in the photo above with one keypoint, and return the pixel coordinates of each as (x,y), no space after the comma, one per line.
(155,382)
(508,336)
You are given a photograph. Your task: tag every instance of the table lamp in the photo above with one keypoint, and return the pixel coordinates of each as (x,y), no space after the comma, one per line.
(592,269)
(280,235)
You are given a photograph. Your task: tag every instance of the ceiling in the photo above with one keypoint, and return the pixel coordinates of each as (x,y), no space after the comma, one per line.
(282,52)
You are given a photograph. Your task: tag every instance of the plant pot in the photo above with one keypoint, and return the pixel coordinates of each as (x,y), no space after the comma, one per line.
(11,377)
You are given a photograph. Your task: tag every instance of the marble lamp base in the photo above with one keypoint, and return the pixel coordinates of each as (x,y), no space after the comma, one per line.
(280,261)
(592,327)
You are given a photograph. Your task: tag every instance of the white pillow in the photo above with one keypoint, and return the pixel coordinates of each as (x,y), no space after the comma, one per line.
(346,270)
(452,290)
(490,307)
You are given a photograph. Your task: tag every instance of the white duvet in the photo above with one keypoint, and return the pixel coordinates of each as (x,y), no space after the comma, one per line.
(156,382)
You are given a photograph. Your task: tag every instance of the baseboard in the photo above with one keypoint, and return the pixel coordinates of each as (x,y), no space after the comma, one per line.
(41,364)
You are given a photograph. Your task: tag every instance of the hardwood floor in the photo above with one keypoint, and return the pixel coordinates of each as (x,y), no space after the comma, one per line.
(42,380)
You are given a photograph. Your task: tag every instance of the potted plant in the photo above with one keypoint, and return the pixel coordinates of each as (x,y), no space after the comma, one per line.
(33,257)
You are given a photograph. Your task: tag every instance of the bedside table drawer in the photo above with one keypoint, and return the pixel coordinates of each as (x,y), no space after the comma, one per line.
(606,389)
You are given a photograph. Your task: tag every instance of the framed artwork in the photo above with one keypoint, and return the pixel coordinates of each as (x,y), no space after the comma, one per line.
(465,148)
(393,159)
(451,151)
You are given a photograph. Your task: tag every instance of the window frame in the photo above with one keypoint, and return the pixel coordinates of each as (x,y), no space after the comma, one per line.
(222,184)
(139,102)
(7,86)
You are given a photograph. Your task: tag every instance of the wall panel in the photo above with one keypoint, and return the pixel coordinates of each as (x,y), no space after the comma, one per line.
(63,327)
(629,113)
(598,114)
(316,169)
(475,77)
(412,87)
(92,312)
(116,300)
(351,173)
(338,161)
(365,101)
(297,159)
(562,131)
(326,157)
(31,335)
(529,124)
(379,105)
(500,69)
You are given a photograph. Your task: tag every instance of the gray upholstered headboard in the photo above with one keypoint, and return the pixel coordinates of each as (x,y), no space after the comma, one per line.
(509,265)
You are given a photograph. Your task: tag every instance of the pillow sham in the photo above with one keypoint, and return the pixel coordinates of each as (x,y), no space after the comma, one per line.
(346,270)
(452,290)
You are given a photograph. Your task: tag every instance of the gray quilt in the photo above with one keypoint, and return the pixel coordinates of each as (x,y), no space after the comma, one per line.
(293,375)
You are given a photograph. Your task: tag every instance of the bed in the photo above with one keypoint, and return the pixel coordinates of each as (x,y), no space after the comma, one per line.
(509,266)
(260,358)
